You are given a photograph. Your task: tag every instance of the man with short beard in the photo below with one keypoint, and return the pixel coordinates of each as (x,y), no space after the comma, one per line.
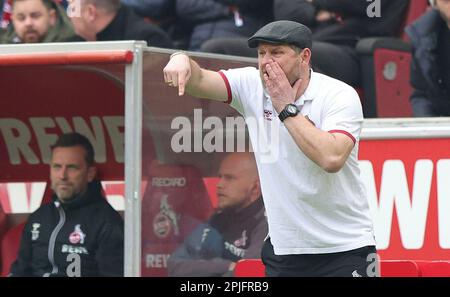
(37,21)
(235,231)
(78,221)
(110,20)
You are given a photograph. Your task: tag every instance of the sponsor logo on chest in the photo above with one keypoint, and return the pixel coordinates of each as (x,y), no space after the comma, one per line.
(71,249)
(77,236)
(35,231)
(268,114)
(165,222)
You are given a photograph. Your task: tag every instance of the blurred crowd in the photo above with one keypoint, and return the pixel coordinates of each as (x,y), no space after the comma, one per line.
(220,26)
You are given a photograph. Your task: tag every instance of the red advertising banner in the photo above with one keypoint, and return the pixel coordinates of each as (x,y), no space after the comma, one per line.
(407,183)
(40,103)
(408,187)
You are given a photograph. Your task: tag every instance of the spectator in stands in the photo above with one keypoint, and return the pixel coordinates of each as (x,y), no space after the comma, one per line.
(5,13)
(236,231)
(1,11)
(78,233)
(337,26)
(223,18)
(163,13)
(430,65)
(154,9)
(107,20)
(35,21)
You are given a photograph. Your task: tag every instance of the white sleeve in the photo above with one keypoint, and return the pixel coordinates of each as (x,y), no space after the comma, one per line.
(343,114)
(239,82)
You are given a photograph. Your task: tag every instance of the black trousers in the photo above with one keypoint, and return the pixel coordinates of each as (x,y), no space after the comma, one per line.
(361,262)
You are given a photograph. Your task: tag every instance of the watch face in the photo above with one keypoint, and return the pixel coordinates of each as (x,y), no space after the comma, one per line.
(292,109)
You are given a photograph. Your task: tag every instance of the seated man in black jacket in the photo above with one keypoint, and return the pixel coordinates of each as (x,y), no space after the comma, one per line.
(236,231)
(78,233)
(430,64)
(107,20)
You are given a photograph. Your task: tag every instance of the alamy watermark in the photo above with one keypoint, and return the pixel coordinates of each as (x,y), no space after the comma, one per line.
(373,269)
(74,8)
(374,9)
(214,134)
(74,268)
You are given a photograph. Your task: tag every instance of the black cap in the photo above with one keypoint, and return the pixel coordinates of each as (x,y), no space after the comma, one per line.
(283,32)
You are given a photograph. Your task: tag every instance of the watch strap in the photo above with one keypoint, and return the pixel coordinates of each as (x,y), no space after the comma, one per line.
(284,114)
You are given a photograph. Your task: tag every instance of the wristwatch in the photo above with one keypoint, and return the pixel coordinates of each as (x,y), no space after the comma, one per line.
(290,110)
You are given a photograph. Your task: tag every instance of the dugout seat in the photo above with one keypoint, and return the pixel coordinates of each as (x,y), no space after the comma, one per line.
(385,66)
(10,242)
(3,221)
(389,268)
(250,268)
(399,268)
(174,202)
(3,228)
(10,247)
(211,188)
(91,78)
(434,268)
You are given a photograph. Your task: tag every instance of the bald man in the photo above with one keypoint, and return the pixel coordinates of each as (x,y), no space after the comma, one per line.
(237,229)
(109,20)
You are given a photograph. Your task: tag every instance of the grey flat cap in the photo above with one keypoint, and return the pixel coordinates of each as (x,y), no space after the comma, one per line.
(281,32)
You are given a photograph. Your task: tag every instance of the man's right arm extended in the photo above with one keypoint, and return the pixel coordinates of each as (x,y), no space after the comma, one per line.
(186,74)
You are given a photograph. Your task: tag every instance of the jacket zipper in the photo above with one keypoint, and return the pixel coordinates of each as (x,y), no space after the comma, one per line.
(52,241)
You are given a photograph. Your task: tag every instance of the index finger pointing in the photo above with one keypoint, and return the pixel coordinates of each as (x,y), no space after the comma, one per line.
(181,84)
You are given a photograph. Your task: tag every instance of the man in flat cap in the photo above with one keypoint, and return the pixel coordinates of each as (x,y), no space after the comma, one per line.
(317,209)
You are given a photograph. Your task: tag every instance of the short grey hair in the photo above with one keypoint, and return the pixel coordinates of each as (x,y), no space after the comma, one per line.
(296,48)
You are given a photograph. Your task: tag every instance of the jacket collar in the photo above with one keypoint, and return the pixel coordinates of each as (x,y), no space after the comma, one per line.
(250,211)
(311,89)
(92,194)
(115,30)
